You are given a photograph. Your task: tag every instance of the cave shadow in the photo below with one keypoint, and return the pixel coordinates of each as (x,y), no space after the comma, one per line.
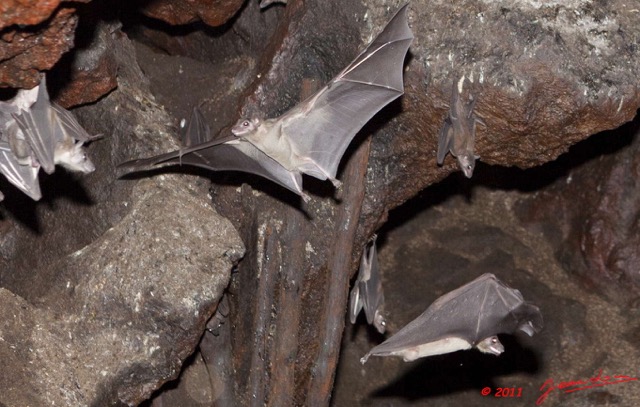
(59,185)
(460,371)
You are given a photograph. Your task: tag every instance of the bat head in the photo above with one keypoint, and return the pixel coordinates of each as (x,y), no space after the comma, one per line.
(73,157)
(379,322)
(245,126)
(467,164)
(490,345)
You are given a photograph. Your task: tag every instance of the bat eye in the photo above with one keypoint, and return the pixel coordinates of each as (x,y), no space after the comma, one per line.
(245,123)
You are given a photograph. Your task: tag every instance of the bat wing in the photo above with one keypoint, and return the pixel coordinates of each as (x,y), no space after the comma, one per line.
(444,142)
(367,290)
(69,125)
(24,177)
(197,130)
(37,124)
(218,155)
(373,296)
(461,319)
(322,127)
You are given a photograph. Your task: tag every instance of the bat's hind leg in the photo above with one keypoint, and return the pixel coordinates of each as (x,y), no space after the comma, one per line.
(311,168)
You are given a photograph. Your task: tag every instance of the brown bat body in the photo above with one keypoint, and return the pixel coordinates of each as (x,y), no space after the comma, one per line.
(458,133)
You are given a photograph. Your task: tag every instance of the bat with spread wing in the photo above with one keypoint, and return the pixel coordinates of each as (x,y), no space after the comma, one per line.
(469,316)
(458,133)
(311,137)
(367,290)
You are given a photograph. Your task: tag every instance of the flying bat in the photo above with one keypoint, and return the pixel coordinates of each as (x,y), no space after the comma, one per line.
(458,133)
(311,137)
(470,316)
(367,290)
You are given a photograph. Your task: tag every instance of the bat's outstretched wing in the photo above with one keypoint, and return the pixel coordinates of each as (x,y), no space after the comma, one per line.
(25,177)
(218,155)
(461,319)
(322,127)
(196,130)
(38,125)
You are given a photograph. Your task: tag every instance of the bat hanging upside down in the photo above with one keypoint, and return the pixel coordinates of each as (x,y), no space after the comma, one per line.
(311,137)
(34,133)
(458,134)
(367,290)
(470,316)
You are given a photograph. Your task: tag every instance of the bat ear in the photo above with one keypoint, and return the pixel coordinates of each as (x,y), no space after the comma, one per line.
(477,157)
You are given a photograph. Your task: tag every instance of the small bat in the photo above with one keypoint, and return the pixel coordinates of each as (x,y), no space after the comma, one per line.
(311,137)
(51,131)
(470,316)
(459,131)
(367,290)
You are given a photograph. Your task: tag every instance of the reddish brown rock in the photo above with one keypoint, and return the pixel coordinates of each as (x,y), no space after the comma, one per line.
(25,53)
(29,12)
(211,12)
(86,74)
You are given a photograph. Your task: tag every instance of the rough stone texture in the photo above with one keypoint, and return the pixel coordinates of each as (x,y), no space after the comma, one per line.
(443,239)
(553,83)
(211,12)
(546,75)
(592,214)
(24,52)
(567,70)
(123,280)
(89,71)
(28,12)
